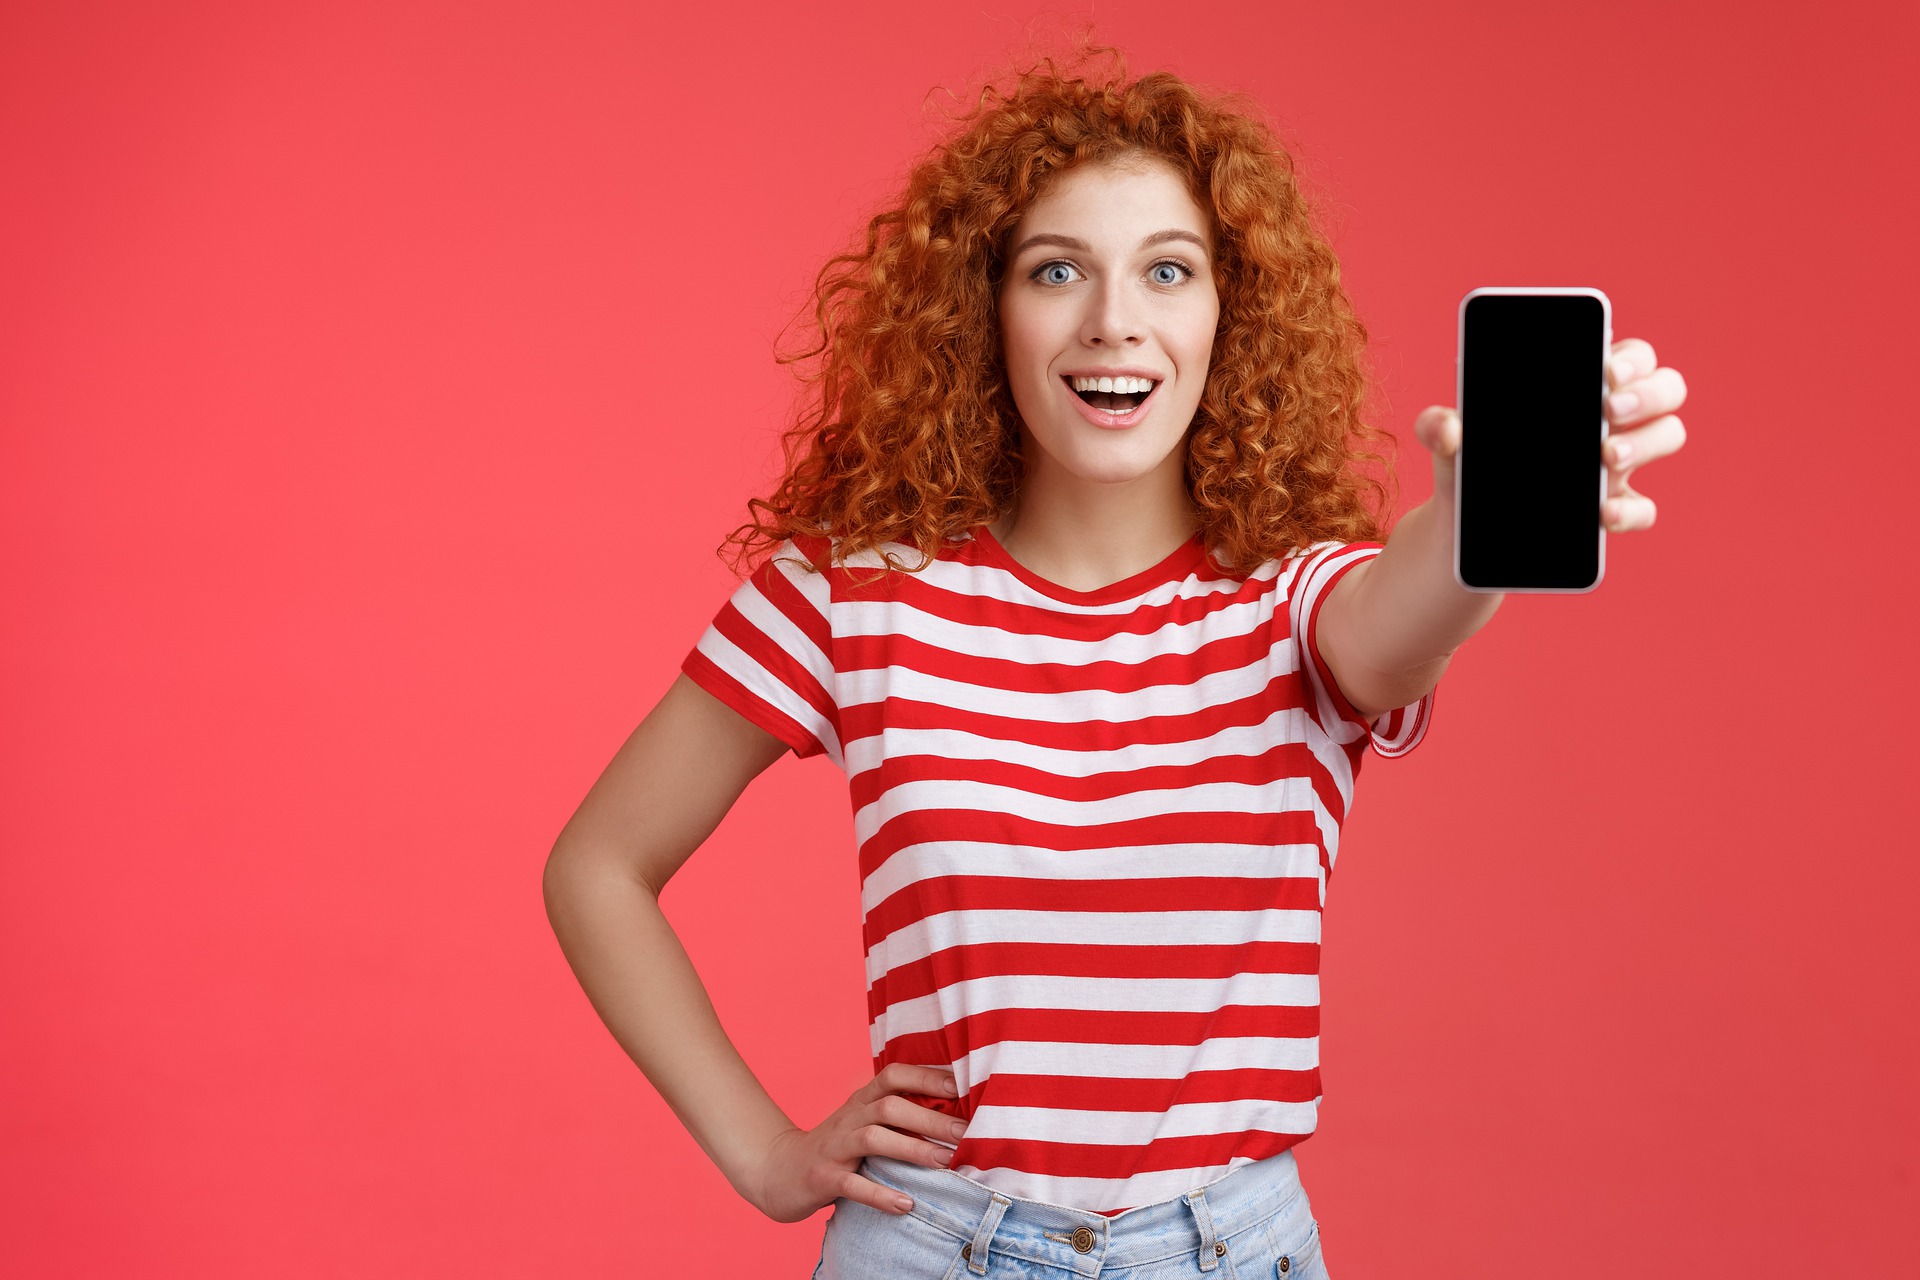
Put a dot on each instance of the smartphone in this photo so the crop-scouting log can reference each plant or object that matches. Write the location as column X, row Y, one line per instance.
column 1530, row 479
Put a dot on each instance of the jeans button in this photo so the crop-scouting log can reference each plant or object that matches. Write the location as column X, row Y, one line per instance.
column 1083, row 1239
column 1285, row 1265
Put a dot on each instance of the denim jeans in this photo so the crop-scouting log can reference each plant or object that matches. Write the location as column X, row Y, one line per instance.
column 1253, row 1223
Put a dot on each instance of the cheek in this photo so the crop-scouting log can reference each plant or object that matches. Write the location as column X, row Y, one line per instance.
column 1027, row 357
column 1198, row 341
column 1016, row 322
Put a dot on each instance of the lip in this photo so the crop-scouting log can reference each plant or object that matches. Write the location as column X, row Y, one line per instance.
column 1100, row 417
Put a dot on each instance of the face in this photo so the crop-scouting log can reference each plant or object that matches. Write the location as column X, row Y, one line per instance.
column 1110, row 272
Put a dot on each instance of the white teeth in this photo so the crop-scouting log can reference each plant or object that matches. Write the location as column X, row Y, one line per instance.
column 1124, row 386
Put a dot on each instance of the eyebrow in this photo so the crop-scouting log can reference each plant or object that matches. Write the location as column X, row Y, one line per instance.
column 1068, row 242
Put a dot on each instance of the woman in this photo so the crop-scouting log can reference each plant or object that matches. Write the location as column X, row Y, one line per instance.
column 1072, row 576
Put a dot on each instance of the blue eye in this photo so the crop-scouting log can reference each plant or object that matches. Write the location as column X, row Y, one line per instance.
column 1044, row 272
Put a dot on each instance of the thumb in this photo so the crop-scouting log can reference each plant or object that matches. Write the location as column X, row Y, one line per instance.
column 1438, row 428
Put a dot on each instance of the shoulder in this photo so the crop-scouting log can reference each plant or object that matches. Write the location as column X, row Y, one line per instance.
column 829, row 554
column 1285, row 574
column 1330, row 561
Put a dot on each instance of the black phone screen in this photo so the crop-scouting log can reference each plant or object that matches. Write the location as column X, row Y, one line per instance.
column 1530, row 478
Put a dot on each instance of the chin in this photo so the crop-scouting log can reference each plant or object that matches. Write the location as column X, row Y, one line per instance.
column 1119, row 467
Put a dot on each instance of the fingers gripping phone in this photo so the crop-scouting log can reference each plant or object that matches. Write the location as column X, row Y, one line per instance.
column 1529, row 479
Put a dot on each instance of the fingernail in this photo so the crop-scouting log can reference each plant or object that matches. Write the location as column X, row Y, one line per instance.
column 951, row 1086
column 959, row 1128
column 1622, row 369
column 1622, row 452
column 1623, row 402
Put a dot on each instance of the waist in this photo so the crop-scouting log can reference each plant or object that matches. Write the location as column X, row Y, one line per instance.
column 1083, row 1241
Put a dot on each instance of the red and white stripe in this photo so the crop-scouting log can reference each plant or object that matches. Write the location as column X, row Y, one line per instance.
column 1095, row 831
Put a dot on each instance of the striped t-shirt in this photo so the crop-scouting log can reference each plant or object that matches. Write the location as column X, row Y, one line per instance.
column 1095, row 830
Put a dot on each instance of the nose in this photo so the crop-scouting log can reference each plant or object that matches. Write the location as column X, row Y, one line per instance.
column 1114, row 317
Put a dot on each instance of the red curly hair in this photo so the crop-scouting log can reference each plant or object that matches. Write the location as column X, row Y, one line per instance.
column 909, row 432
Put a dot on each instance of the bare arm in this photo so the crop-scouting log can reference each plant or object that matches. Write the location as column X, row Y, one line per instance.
column 1390, row 627
column 663, row 794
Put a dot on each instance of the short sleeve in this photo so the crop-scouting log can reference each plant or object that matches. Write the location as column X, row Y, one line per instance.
column 1393, row 733
column 768, row 652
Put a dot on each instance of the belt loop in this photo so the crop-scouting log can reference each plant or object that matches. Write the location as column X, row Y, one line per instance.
column 977, row 1251
column 1197, row 1201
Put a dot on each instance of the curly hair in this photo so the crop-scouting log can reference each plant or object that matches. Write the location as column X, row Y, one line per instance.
column 908, row 432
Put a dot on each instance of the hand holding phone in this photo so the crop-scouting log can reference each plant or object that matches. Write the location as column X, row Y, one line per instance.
column 1642, row 395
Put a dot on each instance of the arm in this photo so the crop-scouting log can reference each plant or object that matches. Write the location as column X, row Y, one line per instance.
column 1389, row 627
column 663, row 794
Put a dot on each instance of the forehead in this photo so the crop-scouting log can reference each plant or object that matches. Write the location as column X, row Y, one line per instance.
column 1121, row 196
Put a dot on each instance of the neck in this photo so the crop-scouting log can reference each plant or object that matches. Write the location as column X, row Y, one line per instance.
column 1085, row 535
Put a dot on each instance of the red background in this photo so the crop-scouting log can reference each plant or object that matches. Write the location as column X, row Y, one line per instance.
column 378, row 379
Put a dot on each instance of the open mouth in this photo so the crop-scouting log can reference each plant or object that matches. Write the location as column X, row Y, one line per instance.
column 1121, row 402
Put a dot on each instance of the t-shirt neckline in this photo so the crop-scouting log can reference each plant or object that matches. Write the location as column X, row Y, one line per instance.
column 1173, row 568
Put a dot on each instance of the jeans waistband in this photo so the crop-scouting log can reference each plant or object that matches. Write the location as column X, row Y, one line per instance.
column 1081, row 1241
